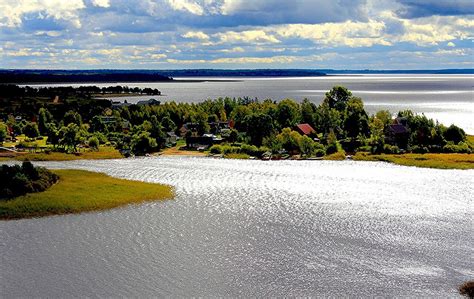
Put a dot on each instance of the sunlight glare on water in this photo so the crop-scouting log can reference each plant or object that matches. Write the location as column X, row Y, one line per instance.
column 253, row 229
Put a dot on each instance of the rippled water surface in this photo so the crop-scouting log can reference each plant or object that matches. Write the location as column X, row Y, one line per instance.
column 254, row 228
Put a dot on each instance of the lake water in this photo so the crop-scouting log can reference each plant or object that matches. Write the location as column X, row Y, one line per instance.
column 447, row 98
column 254, row 229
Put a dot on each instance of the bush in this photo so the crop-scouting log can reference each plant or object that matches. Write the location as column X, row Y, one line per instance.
column 216, row 149
column 467, row 289
column 331, row 149
column 461, row 148
column 364, row 149
column 319, row 153
column 250, row 150
column 16, row 180
column 391, row 149
column 228, row 149
column 93, row 142
column 419, row 149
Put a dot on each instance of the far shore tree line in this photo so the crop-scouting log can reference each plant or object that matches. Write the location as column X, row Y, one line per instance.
column 341, row 124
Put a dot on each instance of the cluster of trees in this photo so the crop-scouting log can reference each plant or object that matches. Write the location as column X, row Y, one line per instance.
column 340, row 121
column 18, row 180
column 11, row 90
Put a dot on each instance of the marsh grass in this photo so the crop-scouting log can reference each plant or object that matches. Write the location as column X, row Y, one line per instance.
column 82, row 191
column 440, row 161
column 103, row 153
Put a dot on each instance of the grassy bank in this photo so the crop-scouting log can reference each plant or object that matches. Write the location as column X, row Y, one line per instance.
column 81, row 191
column 103, row 153
column 441, row 161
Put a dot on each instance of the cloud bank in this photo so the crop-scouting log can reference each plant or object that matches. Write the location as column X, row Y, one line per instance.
column 236, row 34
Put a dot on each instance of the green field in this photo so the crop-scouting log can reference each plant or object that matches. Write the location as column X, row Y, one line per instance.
column 82, row 191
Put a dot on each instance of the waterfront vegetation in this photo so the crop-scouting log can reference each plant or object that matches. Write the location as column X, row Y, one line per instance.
column 18, row 180
column 441, row 161
column 65, row 123
column 82, row 191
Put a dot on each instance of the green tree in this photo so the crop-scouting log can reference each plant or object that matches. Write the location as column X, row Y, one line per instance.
column 454, row 134
column 97, row 125
column 258, row 126
column 308, row 112
column 52, row 133
column 385, row 116
column 200, row 118
column 287, row 114
column 72, row 117
column 327, row 119
column 69, row 136
column 238, row 115
column 31, row 130
column 307, row 146
column 377, row 138
column 338, row 97
column 3, row 132
column 44, row 118
column 93, row 143
column 142, row 143
column 289, row 140
column 356, row 121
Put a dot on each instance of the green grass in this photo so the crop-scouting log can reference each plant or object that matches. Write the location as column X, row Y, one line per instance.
column 238, row 156
column 440, row 161
column 82, row 191
column 336, row 156
column 103, row 153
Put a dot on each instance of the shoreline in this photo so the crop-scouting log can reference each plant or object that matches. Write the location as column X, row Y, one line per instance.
column 434, row 161
column 79, row 191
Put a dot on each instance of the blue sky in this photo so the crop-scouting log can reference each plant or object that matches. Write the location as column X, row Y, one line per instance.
column 170, row 34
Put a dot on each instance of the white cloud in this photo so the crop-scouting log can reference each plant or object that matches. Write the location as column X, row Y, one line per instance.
column 249, row 36
column 352, row 34
column 12, row 11
column 185, row 5
column 451, row 44
column 196, row 35
column 101, row 3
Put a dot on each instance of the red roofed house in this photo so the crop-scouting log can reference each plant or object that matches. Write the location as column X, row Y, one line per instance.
column 305, row 129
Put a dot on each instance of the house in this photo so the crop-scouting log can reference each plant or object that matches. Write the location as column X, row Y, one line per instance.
column 108, row 119
column 189, row 127
column 171, row 138
column 203, row 141
column 117, row 104
column 218, row 126
column 398, row 134
column 305, row 129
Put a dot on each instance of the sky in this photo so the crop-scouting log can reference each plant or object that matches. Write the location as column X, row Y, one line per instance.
column 177, row 34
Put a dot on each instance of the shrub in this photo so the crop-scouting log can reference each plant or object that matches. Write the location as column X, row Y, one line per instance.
column 419, row 149
column 216, row 149
column 319, row 153
column 364, row 149
column 228, row 149
column 467, row 289
column 331, row 149
column 391, row 149
column 16, row 180
column 250, row 150
column 93, row 142
column 461, row 148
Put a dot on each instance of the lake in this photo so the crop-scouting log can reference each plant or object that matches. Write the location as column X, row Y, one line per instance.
column 447, row 98
column 242, row 228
